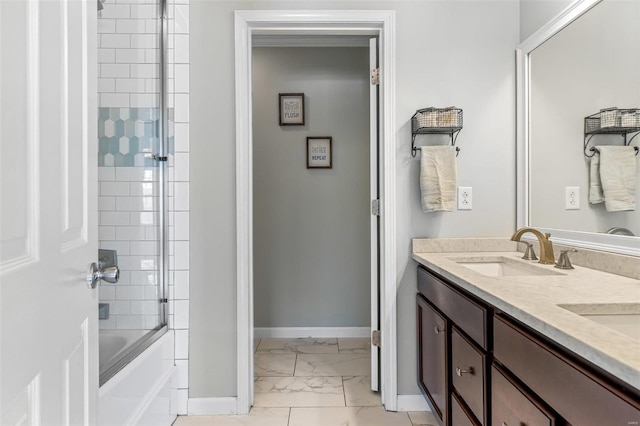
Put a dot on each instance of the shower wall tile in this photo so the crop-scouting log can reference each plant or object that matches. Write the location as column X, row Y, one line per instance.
column 181, row 314
column 182, row 344
column 115, row 10
column 106, row 26
column 181, row 17
column 122, row 247
column 106, row 84
column 115, row 41
column 106, row 203
column 106, row 233
column 144, row 11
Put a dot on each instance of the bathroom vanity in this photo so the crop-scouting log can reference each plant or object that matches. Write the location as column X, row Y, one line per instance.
column 504, row 341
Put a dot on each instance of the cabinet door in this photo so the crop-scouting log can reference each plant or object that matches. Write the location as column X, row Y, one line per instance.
column 432, row 357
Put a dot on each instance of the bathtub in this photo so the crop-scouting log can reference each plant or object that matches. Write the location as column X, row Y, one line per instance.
column 138, row 393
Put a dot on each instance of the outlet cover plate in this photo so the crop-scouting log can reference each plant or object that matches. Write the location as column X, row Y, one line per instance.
column 465, row 198
column 572, row 198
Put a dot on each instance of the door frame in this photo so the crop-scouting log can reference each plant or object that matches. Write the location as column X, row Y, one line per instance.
column 316, row 22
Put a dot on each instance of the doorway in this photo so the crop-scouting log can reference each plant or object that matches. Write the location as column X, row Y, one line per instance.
column 370, row 23
column 311, row 234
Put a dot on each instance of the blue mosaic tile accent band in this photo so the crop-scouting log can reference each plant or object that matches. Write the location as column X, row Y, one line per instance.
column 128, row 136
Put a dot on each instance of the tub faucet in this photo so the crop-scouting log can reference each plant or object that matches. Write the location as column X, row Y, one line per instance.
column 546, row 247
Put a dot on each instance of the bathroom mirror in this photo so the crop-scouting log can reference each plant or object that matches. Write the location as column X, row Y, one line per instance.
column 585, row 60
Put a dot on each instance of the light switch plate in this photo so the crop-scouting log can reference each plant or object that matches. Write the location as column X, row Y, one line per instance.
column 572, row 198
column 465, row 198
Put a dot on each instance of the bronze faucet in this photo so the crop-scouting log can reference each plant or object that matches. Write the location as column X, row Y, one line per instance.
column 546, row 247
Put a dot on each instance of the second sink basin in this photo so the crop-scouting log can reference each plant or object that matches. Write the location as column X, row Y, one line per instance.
column 501, row 266
column 621, row 317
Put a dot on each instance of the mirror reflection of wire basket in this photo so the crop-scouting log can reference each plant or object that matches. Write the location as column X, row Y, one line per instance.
column 612, row 120
column 434, row 120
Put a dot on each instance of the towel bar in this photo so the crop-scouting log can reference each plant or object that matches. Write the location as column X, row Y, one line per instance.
column 415, row 149
column 594, row 149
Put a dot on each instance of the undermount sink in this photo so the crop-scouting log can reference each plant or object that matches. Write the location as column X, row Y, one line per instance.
column 492, row 266
column 621, row 317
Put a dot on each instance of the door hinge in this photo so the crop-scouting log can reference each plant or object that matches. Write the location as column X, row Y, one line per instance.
column 375, row 338
column 375, row 207
column 375, row 76
column 164, row 301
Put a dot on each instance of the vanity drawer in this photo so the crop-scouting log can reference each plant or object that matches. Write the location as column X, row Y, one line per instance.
column 512, row 405
column 468, row 370
column 460, row 415
column 579, row 395
column 469, row 315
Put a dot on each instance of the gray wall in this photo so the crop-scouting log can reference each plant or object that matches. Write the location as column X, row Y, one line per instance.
column 447, row 53
column 311, row 226
column 536, row 13
column 567, row 84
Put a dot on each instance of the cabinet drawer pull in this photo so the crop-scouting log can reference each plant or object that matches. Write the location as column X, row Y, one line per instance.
column 438, row 329
column 460, row 371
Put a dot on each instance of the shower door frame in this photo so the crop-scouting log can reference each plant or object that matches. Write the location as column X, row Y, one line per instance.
column 317, row 22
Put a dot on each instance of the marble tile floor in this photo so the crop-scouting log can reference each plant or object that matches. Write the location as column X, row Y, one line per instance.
column 313, row 382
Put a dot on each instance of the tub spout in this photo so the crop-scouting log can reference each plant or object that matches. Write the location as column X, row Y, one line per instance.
column 546, row 247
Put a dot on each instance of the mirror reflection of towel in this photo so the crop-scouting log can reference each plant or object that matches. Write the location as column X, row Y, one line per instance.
column 595, row 186
column 616, row 172
column 438, row 178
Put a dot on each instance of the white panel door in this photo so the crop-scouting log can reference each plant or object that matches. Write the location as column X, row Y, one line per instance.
column 374, row 221
column 48, row 212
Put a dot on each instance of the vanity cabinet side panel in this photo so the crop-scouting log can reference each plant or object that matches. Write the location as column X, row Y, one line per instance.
column 573, row 391
column 469, row 315
column 432, row 358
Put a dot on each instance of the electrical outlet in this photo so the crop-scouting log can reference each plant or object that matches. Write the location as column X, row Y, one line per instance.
column 572, row 198
column 465, row 196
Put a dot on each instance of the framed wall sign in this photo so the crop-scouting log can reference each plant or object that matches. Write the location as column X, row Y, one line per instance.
column 319, row 152
column 291, row 109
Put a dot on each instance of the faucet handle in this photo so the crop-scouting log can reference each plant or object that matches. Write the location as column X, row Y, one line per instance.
column 529, row 254
column 563, row 260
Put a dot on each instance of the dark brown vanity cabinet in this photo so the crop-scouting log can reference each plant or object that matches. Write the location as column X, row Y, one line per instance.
column 478, row 366
column 452, row 357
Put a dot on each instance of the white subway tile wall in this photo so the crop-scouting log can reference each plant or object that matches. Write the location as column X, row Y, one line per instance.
column 127, row 217
column 128, row 43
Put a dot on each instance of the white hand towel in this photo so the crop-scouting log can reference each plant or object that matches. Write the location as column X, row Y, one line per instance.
column 618, row 176
column 438, row 178
column 595, row 186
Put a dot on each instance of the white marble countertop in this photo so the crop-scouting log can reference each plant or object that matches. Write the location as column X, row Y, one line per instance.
column 534, row 300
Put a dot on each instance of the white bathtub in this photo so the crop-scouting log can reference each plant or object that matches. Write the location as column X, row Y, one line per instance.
column 140, row 393
column 114, row 342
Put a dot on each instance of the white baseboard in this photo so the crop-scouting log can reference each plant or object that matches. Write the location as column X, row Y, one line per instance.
column 212, row 406
column 317, row 332
column 412, row 403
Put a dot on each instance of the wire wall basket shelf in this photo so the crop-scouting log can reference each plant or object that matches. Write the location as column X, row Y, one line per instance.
column 443, row 121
